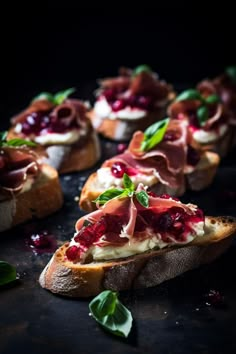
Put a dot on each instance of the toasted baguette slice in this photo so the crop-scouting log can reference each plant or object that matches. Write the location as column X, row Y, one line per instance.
column 70, row 158
column 140, row 271
column 199, row 179
column 43, row 198
column 123, row 129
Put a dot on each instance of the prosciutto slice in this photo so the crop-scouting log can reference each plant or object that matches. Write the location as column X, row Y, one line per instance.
column 129, row 206
column 70, row 114
column 187, row 110
column 145, row 83
column 166, row 160
column 16, row 165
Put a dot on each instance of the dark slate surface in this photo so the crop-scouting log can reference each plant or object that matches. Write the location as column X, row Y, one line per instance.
column 175, row 317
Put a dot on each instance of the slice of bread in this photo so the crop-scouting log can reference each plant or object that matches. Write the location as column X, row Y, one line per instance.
column 198, row 179
column 70, row 158
column 42, row 199
column 123, row 129
column 143, row 270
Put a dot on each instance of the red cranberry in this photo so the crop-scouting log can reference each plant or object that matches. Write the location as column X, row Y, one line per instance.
column 152, row 194
column 215, row 298
column 121, row 148
column 118, row 105
column 132, row 101
column 193, row 156
column 115, row 223
column 140, row 225
column 57, row 127
column 193, row 120
column 110, row 95
column 167, row 196
column 72, row 253
column 39, row 240
column 118, row 169
column 86, row 236
column 100, row 227
column 177, row 213
column 131, row 171
column 144, row 102
column 171, row 136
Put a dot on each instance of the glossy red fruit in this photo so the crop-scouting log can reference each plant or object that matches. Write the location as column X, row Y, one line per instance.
column 118, row 169
column 39, row 240
column 118, row 105
column 72, row 253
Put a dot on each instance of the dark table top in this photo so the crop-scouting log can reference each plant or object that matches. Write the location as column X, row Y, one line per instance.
column 174, row 317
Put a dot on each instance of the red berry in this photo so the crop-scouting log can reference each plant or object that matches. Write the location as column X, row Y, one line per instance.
column 39, row 240
column 72, row 253
column 118, row 105
column 118, row 169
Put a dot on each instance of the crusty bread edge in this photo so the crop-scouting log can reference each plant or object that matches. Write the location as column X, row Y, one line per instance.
column 139, row 271
column 200, row 178
column 44, row 198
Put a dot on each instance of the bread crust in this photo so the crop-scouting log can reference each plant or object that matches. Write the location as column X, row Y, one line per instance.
column 200, row 178
column 123, row 129
column 70, row 158
column 140, row 271
column 42, row 199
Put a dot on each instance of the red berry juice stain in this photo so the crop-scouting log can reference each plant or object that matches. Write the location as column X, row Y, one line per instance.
column 214, row 298
column 41, row 242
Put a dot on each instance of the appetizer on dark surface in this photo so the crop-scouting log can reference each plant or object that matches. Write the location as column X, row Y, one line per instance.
column 161, row 158
column 28, row 188
column 135, row 239
column 61, row 126
column 207, row 117
column 133, row 100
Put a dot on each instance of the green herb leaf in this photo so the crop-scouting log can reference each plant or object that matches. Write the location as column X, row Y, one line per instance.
column 111, row 314
column 231, row 72
column 154, row 134
column 7, row 273
column 212, row 99
column 202, row 114
column 143, row 198
column 3, row 137
column 127, row 182
column 19, row 142
column 60, row 97
column 190, row 94
column 44, row 96
column 140, row 69
column 108, row 194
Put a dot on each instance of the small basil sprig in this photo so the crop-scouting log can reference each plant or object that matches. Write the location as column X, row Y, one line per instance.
column 56, row 99
column 231, row 72
column 127, row 191
column 17, row 142
column 7, row 273
column 111, row 314
column 154, row 134
column 140, row 69
column 202, row 111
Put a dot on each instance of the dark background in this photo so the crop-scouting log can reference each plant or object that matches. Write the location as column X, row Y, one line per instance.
column 61, row 45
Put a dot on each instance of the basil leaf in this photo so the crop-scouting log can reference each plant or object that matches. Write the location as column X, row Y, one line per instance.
column 140, row 69
column 212, row 99
column 202, row 115
column 190, row 94
column 60, row 97
column 143, row 198
column 3, row 137
column 107, row 195
column 154, row 134
column 111, row 314
column 44, row 96
column 231, row 72
column 19, row 142
column 7, row 273
column 127, row 182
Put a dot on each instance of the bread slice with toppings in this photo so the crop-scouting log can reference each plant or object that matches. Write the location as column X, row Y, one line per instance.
column 172, row 166
column 135, row 240
column 131, row 101
column 28, row 189
column 63, row 130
